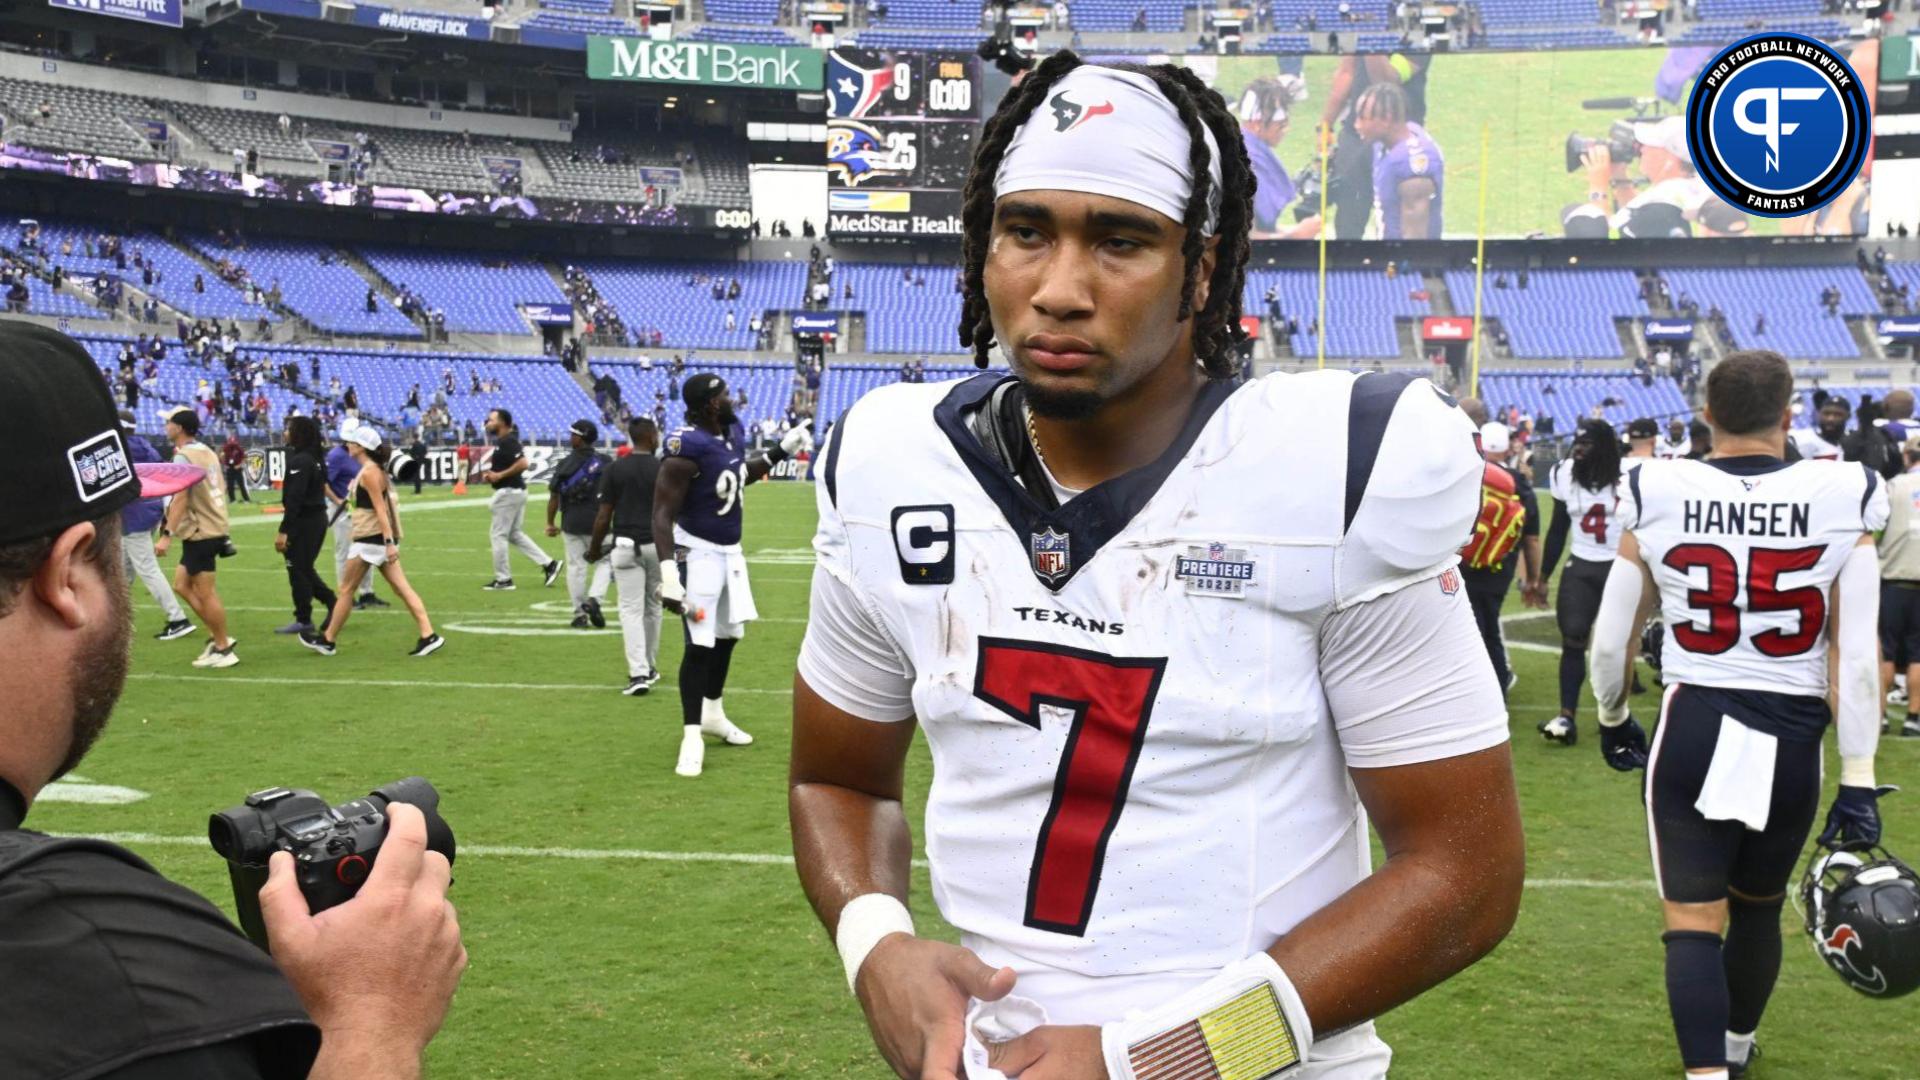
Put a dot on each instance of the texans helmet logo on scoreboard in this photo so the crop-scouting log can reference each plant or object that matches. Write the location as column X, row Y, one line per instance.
column 852, row 90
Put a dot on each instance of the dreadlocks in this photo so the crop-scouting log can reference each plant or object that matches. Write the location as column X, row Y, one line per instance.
column 1216, row 328
column 1382, row 101
column 1599, row 467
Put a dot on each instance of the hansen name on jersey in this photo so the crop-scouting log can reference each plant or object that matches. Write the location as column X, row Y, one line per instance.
column 1138, row 773
column 1745, row 552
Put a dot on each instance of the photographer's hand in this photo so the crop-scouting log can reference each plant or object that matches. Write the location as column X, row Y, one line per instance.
column 377, row 972
column 1598, row 159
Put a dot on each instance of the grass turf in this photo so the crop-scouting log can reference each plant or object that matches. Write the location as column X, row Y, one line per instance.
column 618, row 965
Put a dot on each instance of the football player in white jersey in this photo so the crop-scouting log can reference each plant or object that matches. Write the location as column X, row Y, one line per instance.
column 1165, row 688
column 1759, row 566
column 1821, row 442
column 1676, row 444
column 1586, row 495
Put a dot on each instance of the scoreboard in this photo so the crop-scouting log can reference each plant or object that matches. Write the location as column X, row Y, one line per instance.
column 901, row 129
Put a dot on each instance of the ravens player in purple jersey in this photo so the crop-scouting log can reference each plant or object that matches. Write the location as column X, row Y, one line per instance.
column 696, row 527
column 1409, row 173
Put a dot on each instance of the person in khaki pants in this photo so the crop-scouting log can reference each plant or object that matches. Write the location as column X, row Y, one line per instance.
column 626, row 512
column 506, row 472
column 1900, row 582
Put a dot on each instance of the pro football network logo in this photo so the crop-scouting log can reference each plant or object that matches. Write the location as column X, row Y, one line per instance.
column 1069, row 114
column 1778, row 125
column 1052, row 555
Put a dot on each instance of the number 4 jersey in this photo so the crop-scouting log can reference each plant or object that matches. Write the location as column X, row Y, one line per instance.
column 1596, row 535
column 1142, row 705
column 1745, row 551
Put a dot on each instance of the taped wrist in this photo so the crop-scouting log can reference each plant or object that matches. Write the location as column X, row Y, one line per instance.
column 863, row 922
column 1245, row 1021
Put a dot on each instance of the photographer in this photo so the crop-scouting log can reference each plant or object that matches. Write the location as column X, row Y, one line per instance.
column 1675, row 202
column 113, row 971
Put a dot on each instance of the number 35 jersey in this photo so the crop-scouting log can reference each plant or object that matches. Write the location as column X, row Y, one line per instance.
column 1135, row 765
column 1745, row 551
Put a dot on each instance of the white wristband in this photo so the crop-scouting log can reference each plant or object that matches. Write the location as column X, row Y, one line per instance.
column 863, row 922
column 1856, row 772
column 1249, row 1013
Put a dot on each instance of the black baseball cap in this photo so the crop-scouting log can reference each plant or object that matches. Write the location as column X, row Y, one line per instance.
column 70, row 462
column 701, row 389
column 586, row 429
column 1642, row 428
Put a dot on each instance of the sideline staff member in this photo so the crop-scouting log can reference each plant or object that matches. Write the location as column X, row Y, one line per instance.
column 112, row 971
column 1900, row 582
column 506, row 471
column 626, row 507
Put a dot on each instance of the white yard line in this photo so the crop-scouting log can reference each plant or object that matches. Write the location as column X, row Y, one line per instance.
column 608, row 687
column 745, row 858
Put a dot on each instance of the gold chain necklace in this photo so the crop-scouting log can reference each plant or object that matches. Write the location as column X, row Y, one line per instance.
column 1033, row 439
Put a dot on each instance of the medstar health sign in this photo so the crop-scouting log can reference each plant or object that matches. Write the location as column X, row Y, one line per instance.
column 705, row 63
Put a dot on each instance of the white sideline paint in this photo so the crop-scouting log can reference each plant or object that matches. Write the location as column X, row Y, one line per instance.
column 599, row 688
column 742, row 858
column 74, row 788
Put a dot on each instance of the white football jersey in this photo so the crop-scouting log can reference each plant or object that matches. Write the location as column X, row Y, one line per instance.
column 1668, row 449
column 1136, row 771
column 1813, row 446
column 1595, row 535
column 1745, row 552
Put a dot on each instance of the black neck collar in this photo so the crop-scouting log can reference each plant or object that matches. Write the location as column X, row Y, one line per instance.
column 1749, row 464
column 13, row 807
column 1062, row 539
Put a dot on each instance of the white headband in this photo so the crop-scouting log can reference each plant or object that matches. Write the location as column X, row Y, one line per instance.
column 1104, row 131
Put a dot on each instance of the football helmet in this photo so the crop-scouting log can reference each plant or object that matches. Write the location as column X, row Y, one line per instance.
column 1652, row 637
column 1862, row 911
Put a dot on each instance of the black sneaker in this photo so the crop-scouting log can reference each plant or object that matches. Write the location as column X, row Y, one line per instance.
column 637, row 686
column 1910, row 729
column 1735, row 1071
column 499, row 585
column 653, row 677
column 227, row 550
column 581, row 622
column 428, row 645
column 318, row 644
column 595, row 615
column 174, row 631
column 367, row 600
column 1560, row 729
column 552, row 572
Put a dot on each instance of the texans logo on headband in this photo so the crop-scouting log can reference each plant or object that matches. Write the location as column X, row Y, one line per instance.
column 1069, row 114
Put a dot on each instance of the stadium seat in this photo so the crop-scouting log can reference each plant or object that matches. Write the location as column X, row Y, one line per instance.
column 1789, row 296
column 1569, row 397
column 1362, row 308
column 477, row 297
column 1561, row 314
column 331, row 296
column 902, row 317
column 655, row 295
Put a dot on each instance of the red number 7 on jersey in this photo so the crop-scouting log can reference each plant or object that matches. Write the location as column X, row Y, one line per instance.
column 1110, row 700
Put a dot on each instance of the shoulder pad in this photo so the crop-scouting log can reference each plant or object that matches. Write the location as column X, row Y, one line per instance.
column 1412, row 485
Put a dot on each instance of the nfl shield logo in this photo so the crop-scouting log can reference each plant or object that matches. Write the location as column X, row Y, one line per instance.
column 1051, row 555
column 89, row 472
column 1216, row 551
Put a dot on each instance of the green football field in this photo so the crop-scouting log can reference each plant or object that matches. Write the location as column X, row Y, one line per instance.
column 625, row 922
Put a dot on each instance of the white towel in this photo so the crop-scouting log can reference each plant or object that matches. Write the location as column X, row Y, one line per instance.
column 1739, row 784
column 996, row 1022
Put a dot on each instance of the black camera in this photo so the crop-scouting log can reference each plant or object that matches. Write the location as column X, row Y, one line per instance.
column 333, row 847
column 1306, row 189
column 1620, row 141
